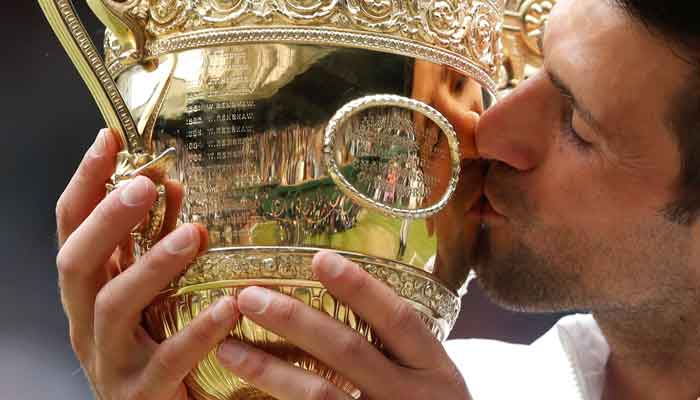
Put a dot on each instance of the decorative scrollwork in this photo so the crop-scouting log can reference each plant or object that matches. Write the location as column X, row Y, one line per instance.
column 382, row 15
column 305, row 11
column 168, row 16
column 485, row 36
column 251, row 264
column 444, row 21
column 469, row 29
column 534, row 18
column 222, row 11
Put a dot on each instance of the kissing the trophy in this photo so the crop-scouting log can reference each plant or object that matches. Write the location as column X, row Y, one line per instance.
column 285, row 127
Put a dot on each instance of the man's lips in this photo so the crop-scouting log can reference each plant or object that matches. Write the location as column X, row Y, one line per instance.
column 483, row 209
column 477, row 205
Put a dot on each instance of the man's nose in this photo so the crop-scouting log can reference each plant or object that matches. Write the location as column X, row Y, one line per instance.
column 515, row 130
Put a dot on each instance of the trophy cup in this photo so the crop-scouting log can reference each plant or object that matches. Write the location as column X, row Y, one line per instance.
column 293, row 126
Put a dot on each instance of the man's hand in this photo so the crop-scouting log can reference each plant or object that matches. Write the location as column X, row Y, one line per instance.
column 420, row 369
column 104, row 305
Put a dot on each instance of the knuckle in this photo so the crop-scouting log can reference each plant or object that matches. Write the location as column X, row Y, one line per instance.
column 138, row 392
column 63, row 212
column 107, row 209
column 350, row 344
column 66, row 265
column 454, row 379
column 403, row 318
column 79, row 345
column 89, row 166
column 163, row 366
column 287, row 309
column 358, row 279
column 323, row 390
column 105, row 306
column 255, row 368
column 203, row 332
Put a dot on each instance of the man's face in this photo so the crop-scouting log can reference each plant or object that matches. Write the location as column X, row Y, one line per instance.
column 585, row 164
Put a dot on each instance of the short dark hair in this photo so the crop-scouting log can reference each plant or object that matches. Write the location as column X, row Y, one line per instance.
column 677, row 22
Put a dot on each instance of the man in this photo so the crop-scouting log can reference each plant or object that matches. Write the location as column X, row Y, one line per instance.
column 592, row 205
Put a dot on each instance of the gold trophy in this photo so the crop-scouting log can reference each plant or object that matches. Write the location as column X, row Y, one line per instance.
column 293, row 126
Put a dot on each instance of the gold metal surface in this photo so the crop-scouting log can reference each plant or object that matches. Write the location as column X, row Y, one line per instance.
column 289, row 135
column 464, row 34
column 76, row 41
column 287, row 270
column 523, row 31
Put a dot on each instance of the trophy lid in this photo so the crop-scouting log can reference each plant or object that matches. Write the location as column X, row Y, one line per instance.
column 462, row 34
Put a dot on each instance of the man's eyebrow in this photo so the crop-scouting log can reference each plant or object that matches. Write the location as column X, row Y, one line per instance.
column 583, row 111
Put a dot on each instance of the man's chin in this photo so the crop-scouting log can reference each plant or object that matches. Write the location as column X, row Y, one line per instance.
column 514, row 277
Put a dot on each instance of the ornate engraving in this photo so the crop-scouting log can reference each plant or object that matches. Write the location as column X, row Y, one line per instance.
column 248, row 264
column 377, row 42
column 485, row 38
column 135, row 15
column 167, row 15
column 211, row 381
column 382, row 15
column 118, row 57
column 467, row 30
column 533, row 19
column 222, row 11
column 104, row 82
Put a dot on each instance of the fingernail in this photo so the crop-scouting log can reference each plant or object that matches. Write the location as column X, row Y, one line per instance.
column 232, row 353
column 331, row 264
column 223, row 311
column 180, row 241
column 100, row 146
column 136, row 192
column 254, row 300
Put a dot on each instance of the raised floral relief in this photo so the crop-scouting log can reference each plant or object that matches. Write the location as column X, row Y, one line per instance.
column 306, row 11
column 222, row 11
column 485, row 36
column 410, row 284
column 470, row 29
column 168, row 16
column 534, row 19
column 382, row 15
column 444, row 19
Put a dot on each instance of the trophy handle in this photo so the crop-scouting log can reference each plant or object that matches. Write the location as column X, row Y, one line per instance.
column 75, row 40
column 385, row 100
column 137, row 157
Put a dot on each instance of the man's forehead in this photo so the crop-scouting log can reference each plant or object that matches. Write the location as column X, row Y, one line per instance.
column 608, row 60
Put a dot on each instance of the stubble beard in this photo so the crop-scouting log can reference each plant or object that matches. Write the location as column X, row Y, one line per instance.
column 517, row 278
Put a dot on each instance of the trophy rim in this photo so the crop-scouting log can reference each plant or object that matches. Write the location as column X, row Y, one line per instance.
column 222, row 37
column 229, row 267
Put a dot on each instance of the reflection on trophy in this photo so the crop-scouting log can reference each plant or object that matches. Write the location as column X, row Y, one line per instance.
column 293, row 126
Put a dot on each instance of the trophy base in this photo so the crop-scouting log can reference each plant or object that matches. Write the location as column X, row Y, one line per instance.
column 222, row 272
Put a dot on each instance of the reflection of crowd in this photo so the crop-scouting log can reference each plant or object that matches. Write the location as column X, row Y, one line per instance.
column 459, row 98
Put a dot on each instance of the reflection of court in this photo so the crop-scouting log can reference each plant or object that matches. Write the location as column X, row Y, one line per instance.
column 386, row 157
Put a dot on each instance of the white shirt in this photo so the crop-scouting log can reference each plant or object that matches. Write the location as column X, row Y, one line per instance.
column 566, row 363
